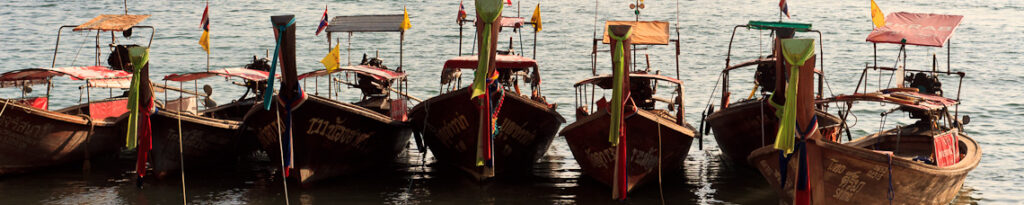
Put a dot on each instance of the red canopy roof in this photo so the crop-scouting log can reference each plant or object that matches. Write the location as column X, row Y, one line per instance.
column 504, row 61
column 378, row 73
column 244, row 73
column 916, row 28
column 604, row 81
column 98, row 76
column 514, row 22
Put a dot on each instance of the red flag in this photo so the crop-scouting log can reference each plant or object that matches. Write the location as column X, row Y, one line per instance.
column 462, row 14
column 205, row 22
column 323, row 22
column 784, row 7
column 509, row 2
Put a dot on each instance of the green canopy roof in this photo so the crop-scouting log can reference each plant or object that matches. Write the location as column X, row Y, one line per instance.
column 771, row 25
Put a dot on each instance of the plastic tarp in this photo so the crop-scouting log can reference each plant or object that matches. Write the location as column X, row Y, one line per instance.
column 644, row 32
column 366, row 23
column 917, row 28
column 503, row 61
column 914, row 100
column 111, row 22
column 605, row 81
column 801, row 27
column 98, row 76
column 244, row 73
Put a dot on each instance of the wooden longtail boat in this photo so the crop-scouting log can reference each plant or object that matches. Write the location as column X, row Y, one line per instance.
column 904, row 162
column 651, row 141
column 211, row 137
column 742, row 126
column 331, row 138
column 450, row 123
column 32, row 136
column 922, row 163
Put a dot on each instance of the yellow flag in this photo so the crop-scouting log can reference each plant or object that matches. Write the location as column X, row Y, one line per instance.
column 333, row 59
column 876, row 15
column 405, row 22
column 205, row 41
column 535, row 19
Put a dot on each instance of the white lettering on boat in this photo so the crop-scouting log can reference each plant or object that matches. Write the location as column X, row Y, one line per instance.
column 337, row 131
column 450, row 129
column 849, row 185
column 19, row 134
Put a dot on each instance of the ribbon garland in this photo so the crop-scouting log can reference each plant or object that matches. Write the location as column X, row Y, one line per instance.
column 616, row 133
column 269, row 93
column 488, row 11
column 139, row 132
column 617, row 77
column 796, row 53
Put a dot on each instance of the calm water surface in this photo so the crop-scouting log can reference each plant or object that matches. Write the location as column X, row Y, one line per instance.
column 988, row 46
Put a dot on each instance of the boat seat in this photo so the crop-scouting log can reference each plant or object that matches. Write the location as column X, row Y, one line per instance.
column 108, row 111
column 36, row 102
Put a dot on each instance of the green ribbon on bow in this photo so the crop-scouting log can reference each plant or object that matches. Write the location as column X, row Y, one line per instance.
column 796, row 52
column 139, row 57
column 618, row 74
column 488, row 12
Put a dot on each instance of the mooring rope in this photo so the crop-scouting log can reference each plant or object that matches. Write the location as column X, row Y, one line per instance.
column 181, row 153
column 661, row 189
column 280, row 148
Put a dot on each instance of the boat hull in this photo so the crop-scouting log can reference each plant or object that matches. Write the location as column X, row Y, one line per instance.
column 449, row 125
column 32, row 138
column 331, row 138
column 207, row 142
column 588, row 141
column 852, row 174
column 745, row 126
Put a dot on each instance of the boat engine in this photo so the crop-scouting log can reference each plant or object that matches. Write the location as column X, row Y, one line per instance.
column 927, row 84
column 262, row 64
column 765, row 76
column 369, row 85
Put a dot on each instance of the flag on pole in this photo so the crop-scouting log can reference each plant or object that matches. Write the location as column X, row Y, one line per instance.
column 323, row 22
column 405, row 22
column 876, row 15
column 535, row 19
column 205, row 24
column 462, row 14
column 784, row 7
column 333, row 59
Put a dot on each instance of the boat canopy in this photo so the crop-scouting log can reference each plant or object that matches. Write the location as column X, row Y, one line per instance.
column 378, row 73
column 906, row 97
column 772, row 25
column 916, row 29
column 366, row 23
column 644, row 32
column 97, row 76
column 503, row 62
column 244, row 73
column 111, row 22
column 514, row 22
column 605, row 81
column 506, row 21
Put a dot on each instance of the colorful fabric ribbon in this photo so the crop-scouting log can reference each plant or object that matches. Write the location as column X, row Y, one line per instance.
column 269, row 93
column 139, row 131
column 487, row 12
column 796, row 52
column 616, row 131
